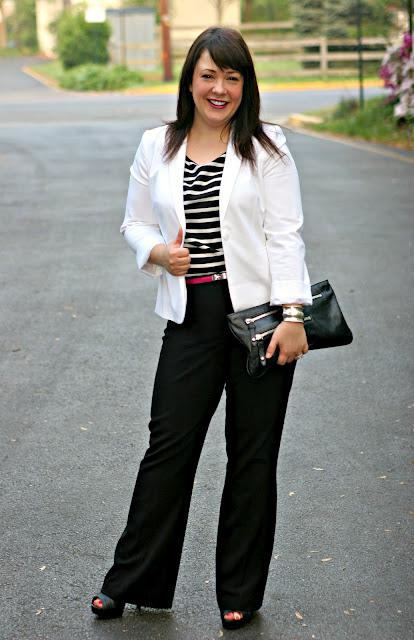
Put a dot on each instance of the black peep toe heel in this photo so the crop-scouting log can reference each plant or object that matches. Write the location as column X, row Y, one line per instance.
column 235, row 624
column 109, row 609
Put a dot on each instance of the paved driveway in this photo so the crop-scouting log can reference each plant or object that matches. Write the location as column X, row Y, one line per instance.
column 79, row 344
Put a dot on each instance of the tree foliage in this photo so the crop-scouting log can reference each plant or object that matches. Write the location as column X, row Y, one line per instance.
column 337, row 18
column 265, row 10
column 22, row 25
column 308, row 16
column 80, row 42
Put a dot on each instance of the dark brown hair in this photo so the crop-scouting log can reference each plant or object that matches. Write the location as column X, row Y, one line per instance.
column 229, row 51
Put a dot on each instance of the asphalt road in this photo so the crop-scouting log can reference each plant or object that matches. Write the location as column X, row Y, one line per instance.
column 79, row 345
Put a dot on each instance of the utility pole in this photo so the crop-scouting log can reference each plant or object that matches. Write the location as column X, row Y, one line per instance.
column 410, row 17
column 360, row 59
column 165, row 40
column 248, row 11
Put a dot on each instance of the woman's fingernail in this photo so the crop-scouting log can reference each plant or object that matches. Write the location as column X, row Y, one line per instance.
column 268, row 355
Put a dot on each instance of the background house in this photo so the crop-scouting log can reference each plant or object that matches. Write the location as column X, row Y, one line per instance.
column 187, row 17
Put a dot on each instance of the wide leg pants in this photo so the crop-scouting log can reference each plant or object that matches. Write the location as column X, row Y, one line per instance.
column 198, row 359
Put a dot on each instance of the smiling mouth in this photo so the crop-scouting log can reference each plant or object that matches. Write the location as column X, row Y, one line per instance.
column 217, row 104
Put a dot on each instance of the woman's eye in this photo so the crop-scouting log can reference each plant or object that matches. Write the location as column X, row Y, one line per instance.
column 206, row 75
column 233, row 78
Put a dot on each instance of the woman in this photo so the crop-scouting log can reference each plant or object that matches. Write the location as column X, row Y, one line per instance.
column 213, row 211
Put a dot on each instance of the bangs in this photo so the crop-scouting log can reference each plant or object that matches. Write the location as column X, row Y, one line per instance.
column 226, row 48
column 228, row 57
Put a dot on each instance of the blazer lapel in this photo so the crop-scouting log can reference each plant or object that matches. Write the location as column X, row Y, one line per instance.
column 176, row 173
column 231, row 169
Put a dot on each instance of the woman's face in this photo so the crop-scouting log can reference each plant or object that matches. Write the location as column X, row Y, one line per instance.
column 217, row 93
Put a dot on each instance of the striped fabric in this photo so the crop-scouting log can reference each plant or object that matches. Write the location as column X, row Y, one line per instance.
column 201, row 206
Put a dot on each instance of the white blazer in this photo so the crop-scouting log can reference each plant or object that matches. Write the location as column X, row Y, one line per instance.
column 260, row 216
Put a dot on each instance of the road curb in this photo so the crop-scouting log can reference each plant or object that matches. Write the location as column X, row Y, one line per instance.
column 298, row 119
column 48, row 82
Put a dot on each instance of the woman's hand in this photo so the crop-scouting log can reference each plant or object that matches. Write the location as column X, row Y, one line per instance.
column 172, row 256
column 290, row 338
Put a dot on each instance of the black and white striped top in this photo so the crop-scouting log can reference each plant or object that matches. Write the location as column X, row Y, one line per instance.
column 201, row 206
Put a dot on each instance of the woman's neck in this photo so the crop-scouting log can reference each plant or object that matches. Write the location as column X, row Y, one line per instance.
column 206, row 135
column 205, row 144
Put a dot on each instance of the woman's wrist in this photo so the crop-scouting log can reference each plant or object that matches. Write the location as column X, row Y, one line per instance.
column 157, row 255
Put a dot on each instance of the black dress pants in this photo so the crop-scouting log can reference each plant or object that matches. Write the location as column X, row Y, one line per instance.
column 198, row 359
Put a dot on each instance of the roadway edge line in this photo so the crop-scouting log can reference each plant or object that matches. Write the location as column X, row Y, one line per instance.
column 362, row 146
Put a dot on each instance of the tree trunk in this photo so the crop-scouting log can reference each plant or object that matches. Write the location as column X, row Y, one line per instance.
column 219, row 11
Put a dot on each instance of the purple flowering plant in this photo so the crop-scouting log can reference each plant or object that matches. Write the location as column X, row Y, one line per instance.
column 397, row 71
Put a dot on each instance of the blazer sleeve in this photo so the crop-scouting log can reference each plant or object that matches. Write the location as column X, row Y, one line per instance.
column 283, row 222
column 140, row 229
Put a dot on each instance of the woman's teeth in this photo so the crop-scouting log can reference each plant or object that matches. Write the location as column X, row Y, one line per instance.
column 218, row 103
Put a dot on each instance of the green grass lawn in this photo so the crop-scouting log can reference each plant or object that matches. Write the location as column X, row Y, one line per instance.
column 51, row 69
column 375, row 123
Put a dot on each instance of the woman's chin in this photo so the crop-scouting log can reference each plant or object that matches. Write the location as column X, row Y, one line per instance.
column 216, row 119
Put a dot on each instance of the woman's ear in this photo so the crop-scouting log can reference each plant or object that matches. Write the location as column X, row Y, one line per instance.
column 190, row 88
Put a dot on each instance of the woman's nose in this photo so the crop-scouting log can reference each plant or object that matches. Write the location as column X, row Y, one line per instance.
column 219, row 87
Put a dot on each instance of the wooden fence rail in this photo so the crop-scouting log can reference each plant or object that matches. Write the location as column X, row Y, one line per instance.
column 268, row 49
column 274, row 50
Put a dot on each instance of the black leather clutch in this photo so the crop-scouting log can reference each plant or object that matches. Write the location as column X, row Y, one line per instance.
column 324, row 324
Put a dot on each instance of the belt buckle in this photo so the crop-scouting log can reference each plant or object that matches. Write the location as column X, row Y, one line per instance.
column 220, row 276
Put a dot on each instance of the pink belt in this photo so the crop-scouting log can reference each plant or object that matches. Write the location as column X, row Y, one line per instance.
column 212, row 278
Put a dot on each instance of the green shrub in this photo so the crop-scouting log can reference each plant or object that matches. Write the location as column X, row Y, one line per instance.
column 345, row 107
column 80, row 42
column 96, row 77
column 375, row 122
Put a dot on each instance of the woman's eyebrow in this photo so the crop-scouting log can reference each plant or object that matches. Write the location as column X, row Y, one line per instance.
column 226, row 70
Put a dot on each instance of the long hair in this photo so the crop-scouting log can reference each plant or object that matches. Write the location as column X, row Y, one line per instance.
column 228, row 50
